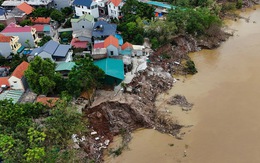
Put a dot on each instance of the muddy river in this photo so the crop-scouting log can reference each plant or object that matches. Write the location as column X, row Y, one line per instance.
column 225, row 118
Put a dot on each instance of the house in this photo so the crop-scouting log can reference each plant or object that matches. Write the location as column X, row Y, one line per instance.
column 113, row 68
column 6, row 18
column 138, row 50
column 14, row 95
column 17, row 79
column 21, row 11
column 27, row 35
column 40, row 20
column 112, row 46
column 161, row 8
column 48, row 101
column 102, row 29
column 102, row 7
column 126, row 49
column 99, row 51
column 82, row 35
column 54, row 51
column 76, row 43
column 64, row 68
column 59, row 4
column 83, row 22
column 86, row 7
column 8, row 45
column 42, row 30
column 114, row 8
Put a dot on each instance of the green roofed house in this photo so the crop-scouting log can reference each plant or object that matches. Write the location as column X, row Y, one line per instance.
column 86, row 21
column 113, row 68
column 64, row 68
column 13, row 95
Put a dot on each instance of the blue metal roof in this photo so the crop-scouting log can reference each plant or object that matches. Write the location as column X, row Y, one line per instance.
column 106, row 30
column 120, row 39
column 160, row 4
column 62, row 51
column 50, row 47
column 112, row 67
column 82, row 2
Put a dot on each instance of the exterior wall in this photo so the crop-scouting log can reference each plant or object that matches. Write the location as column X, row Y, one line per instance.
column 93, row 10
column 84, row 39
column 114, row 11
column 16, row 83
column 5, row 49
column 7, row 21
column 82, row 23
column 61, row 3
column 112, row 50
column 15, row 45
column 23, row 36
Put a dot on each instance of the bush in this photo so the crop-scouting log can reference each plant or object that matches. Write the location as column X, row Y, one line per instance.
column 190, row 67
column 26, row 22
column 2, row 26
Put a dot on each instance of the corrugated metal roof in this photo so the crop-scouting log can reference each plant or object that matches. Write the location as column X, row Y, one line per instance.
column 160, row 4
column 15, row 95
column 65, row 66
column 102, row 28
column 112, row 67
column 46, row 28
column 83, row 17
column 62, row 51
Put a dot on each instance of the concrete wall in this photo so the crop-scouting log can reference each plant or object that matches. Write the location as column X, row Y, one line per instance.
column 5, row 49
column 112, row 50
column 15, row 83
column 84, row 39
column 82, row 23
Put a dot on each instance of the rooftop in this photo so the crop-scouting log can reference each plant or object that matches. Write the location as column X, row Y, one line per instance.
column 160, row 4
column 13, row 28
column 25, row 8
column 126, row 45
column 115, row 2
column 19, row 70
column 102, row 28
column 4, row 81
column 4, row 38
column 82, row 2
column 112, row 67
column 83, row 17
column 111, row 40
column 65, row 66
column 14, row 95
column 78, row 44
column 49, row 101
column 40, row 20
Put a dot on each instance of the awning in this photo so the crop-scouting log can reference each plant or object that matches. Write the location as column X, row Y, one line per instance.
column 20, row 49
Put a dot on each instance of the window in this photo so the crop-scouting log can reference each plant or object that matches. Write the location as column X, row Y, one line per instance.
column 81, row 6
column 83, row 26
column 83, row 12
column 111, row 53
column 118, row 7
column 109, row 6
column 111, row 11
column 114, row 7
column 15, row 81
column 92, row 7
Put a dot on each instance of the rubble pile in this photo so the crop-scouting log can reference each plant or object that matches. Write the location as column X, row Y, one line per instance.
column 125, row 112
column 150, row 82
column 181, row 101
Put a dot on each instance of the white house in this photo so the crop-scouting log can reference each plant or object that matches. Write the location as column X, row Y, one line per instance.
column 86, row 7
column 17, row 79
column 112, row 46
column 114, row 8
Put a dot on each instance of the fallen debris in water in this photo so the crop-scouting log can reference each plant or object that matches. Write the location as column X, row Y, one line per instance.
column 181, row 101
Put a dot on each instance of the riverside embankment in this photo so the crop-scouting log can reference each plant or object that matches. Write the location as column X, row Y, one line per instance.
column 225, row 116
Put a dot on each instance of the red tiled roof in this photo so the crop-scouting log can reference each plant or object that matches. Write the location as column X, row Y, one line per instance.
column 25, row 8
column 49, row 101
column 98, row 45
column 12, row 27
column 4, row 38
column 111, row 40
column 19, row 71
column 38, row 27
column 126, row 45
column 78, row 44
column 116, row 2
column 41, row 20
column 4, row 81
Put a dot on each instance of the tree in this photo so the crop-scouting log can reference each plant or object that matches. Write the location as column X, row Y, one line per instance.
column 67, row 11
column 84, row 76
column 41, row 12
column 2, row 26
column 41, row 75
column 28, row 43
column 57, row 16
column 44, row 40
column 66, row 36
column 26, row 22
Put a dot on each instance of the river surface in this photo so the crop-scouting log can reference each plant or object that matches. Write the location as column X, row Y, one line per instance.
column 226, row 112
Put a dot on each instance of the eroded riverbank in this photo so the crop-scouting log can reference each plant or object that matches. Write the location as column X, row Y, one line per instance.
column 225, row 115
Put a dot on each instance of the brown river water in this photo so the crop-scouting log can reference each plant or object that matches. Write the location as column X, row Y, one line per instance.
column 225, row 118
